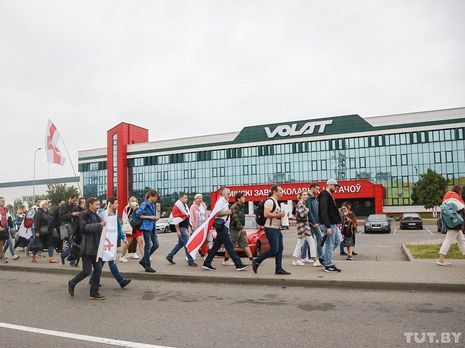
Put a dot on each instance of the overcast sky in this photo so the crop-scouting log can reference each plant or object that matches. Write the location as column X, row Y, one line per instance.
column 185, row 68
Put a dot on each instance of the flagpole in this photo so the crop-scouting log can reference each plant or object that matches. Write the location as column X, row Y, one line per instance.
column 71, row 162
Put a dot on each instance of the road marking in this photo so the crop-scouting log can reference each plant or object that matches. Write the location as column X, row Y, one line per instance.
column 79, row 337
column 426, row 228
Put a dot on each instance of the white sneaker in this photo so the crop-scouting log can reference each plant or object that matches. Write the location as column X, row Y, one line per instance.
column 123, row 259
column 228, row 263
column 297, row 263
column 317, row 263
column 444, row 264
column 306, row 260
column 135, row 256
column 16, row 257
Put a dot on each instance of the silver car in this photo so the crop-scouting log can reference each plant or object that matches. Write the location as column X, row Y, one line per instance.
column 377, row 223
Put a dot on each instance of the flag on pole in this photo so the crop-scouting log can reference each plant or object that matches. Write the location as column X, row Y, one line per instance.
column 54, row 154
column 200, row 234
column 179, row 213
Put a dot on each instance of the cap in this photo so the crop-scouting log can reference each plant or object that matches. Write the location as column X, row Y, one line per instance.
column 332, row 182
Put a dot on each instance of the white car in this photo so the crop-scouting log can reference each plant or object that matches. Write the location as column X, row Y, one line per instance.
column 163, row 226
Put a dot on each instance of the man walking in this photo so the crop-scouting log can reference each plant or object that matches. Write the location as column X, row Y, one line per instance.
column 180, row 220
column 273, row 215
column 91, row 227
column 69, row 219
column 236, row 231
column 147, row 213
column 222, row 221
column 329, row 218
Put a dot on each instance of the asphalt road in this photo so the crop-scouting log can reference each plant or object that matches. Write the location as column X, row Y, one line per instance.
column 208, row 315
column 370, row 247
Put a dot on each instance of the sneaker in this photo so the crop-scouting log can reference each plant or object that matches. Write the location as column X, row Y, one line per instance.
column 97, row 297
column 332, row 269
column 350, row 258
column 317, row 263
column 16, row 257
column 135, row 256
column 321, row 260
column 170, row 260
column 125, row 282
column 255, row 266
column 228, row 262
column 354, row 253
column 123, row 259
column 4, row 260
column 70, row 289
column 142, row 263
column 241, row 267
column 192, row 264
column 444, row 264
column 343, row 253
column 306, row 260
column 282, row 272
column 150, row 270
column 297, row 263
column 208, row 267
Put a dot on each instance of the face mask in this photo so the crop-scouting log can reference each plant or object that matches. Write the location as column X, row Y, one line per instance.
column 133, row 204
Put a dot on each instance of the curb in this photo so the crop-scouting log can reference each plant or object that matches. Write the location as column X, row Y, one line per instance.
column 282, row 282
column 407, row 252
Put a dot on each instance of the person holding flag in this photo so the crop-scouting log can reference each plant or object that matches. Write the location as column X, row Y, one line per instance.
column 179, row 219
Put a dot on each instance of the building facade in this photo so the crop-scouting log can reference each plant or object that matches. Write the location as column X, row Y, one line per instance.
column 391, row 150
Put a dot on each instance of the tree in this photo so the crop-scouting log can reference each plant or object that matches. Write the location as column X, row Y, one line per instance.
column 430, row 189
column 60, row 192
column 414, row 196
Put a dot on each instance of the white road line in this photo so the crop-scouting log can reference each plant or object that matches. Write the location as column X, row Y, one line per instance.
column 426, row 228
column 79, row 337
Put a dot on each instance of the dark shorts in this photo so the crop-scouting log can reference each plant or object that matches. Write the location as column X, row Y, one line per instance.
column 349, row 241
column 240, row 238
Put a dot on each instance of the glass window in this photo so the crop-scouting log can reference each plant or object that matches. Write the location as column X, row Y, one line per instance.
column 394, row 181
column 403, row 159
column 362, row 162
column 393, row 160
column 193, row 173
column 287, row 167
column 222, row 171
column 423, row 137
column 186, row 174
column 405, row 181
column 460, row 133
column 215, row 172
column 352, row 162
column 165, row 175
column 314, row 165
column 449, row 158
column 253, row 169
column 437, row 157
column 279, row 168
column 245, row 170
column 323, row 164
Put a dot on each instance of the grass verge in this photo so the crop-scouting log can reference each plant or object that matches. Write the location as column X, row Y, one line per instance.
column 431, row 251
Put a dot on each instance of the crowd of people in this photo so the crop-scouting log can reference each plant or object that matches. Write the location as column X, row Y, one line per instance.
column 321, row 227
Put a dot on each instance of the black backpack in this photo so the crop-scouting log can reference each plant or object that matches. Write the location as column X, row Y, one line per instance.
column 260, row 212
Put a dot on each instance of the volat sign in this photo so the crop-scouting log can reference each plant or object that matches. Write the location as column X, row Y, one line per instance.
column 286, row 130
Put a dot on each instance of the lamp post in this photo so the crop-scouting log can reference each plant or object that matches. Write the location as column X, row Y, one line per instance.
column 34, row 177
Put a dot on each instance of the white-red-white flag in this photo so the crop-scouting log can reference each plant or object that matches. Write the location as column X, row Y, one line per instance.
column 179, row 213
column 54, row 154
column 198, row 237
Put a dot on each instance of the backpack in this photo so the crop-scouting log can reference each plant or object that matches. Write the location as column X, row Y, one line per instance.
column 260, row 212
column 450, row 216
column 135, row 222
column 29, row 219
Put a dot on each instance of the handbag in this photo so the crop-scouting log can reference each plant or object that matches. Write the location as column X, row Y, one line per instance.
column 127, row 228
column 44, row 231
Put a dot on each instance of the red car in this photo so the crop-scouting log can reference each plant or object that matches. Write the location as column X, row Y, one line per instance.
column 256, row 237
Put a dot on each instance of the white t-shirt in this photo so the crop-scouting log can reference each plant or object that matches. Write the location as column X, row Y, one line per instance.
column 226, row 208
column 274, row 222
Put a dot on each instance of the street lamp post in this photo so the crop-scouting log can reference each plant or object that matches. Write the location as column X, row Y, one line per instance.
column 34, row 176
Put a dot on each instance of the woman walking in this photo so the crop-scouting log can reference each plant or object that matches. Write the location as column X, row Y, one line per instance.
column 130, row 232
column 304, row 232
column 349, row 228
column 43, row 222
column 454, row 234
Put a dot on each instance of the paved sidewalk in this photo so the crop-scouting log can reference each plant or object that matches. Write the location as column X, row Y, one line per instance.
column 422, row 275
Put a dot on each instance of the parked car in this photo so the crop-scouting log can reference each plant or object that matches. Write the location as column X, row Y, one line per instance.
column 411, row 220
column 163, row 226
column 256, row 237
column 442, row 228
column 377, row 223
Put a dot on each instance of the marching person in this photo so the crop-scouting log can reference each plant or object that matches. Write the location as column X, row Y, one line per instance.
column 3, row 229
column 198, row 215
column 349, row 228
column 236, row 230
column 112, row 210
column 69, row 218
column 329, row 218
column 130, row 232
column 273, row 215
column 147, row 213
column 312, row 204
column 454, row 234
column 90, row 227
column 221, row 225
column 304, row 232
column 179, row 218
column 10, row 242
column 43, row 223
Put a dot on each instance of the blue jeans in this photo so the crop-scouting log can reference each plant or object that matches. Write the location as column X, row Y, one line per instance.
column 9, row 244
column 151, row 244
column 275, row 237
column 114, row 271
column 222, row 237
column 332, row 242
column 182, row 242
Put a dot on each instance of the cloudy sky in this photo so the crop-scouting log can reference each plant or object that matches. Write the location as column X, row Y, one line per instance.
column 184, row 68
